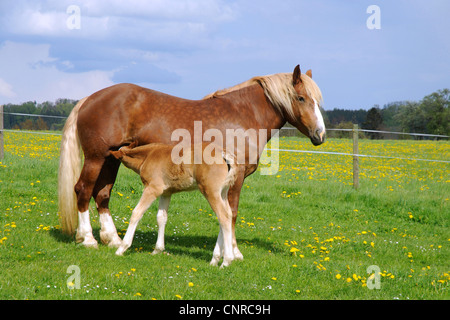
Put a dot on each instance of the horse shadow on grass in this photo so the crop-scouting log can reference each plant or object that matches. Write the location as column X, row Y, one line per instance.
column 197, row 246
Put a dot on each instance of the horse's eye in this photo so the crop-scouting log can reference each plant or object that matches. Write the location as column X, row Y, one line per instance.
column 301, row 99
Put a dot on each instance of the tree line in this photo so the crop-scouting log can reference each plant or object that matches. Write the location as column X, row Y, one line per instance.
column 430, row 115
column 59, row 108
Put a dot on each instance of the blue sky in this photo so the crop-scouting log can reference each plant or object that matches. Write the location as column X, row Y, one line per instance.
column 190, row 48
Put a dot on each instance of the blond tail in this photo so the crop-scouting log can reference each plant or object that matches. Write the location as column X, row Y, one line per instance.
column 69, row 172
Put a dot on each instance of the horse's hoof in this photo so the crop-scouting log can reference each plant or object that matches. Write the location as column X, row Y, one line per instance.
column 89, row 242
column 116, row 243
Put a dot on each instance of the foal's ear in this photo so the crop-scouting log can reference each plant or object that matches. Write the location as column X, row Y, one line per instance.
column 117, row 154
column 309, row 73
column 296, row 76
column 134, row 144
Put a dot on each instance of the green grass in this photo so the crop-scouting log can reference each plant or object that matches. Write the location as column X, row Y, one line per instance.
column 398, row 220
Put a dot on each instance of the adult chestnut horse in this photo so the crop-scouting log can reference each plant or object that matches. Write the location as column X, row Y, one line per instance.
column 117, row 115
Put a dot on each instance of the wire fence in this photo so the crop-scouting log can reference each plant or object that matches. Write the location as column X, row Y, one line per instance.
column 284, row 128
column 356, row 155
column 383, row 131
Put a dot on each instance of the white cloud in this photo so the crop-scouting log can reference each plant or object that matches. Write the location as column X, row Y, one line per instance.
column 192, row 47
column 186, row 10
column 107, row 18
column 30, row 70
column 6, row 89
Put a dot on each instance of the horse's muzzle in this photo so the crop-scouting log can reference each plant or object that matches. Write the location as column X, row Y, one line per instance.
column 318, row 137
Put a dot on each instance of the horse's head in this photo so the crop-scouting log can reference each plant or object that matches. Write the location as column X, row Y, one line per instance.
column 306, row 115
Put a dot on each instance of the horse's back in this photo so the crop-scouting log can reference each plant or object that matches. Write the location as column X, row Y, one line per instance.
column 116, row 115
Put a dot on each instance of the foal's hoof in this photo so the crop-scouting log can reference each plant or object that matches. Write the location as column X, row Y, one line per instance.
column 225, row 264
column 120, row 251
column 237, row 254
column 157, row 251
column 214, row 262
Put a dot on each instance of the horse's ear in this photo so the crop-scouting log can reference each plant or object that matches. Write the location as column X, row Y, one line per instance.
column 309, row 73
column 296, row 76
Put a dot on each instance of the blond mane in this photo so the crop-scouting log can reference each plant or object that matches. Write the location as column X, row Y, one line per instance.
column 278, row 89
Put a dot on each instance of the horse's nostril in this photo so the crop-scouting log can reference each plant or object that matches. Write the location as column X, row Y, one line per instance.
column 320, row 134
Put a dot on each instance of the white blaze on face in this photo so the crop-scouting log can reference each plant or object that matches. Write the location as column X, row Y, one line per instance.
column 320, row 125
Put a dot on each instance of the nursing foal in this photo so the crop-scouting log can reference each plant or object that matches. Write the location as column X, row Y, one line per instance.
column 162, row 176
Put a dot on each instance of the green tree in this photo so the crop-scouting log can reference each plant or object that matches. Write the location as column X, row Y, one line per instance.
column 374, row 119
column 411, row 118
column 435, row 110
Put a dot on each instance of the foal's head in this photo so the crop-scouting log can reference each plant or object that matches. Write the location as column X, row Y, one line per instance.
column 306, row 115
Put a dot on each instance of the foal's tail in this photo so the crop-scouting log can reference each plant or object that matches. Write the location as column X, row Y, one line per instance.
column 69, row 172
column 232, row 169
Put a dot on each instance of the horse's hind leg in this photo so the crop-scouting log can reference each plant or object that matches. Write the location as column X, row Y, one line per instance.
column 83, row 189
column 102, row 194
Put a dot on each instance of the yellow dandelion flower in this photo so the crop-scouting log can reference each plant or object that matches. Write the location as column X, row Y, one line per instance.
column 293, row 250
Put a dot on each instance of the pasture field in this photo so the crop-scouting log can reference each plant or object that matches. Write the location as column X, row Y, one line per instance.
column 305, row 233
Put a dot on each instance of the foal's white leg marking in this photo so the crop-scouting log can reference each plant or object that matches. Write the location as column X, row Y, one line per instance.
column 144, row 203
column 225, row 220
column 227, row 244
column 218, row 250
column 108, row 232
column 161, row 217
column 84, row 230
column 236, row 252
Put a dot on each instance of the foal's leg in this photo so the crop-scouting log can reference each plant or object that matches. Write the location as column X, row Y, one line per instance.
column 218, row 250
column 83, row 189
column 102, row 194
column 148, row 196
column 161, row 217
column 223, row 212
column 233, row 200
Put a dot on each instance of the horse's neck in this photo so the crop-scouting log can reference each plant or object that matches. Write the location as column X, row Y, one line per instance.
column 261, row 115
column 252, row 102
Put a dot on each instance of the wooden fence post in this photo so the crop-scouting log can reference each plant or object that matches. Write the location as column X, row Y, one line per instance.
column 355, row 157
column 1, row 132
